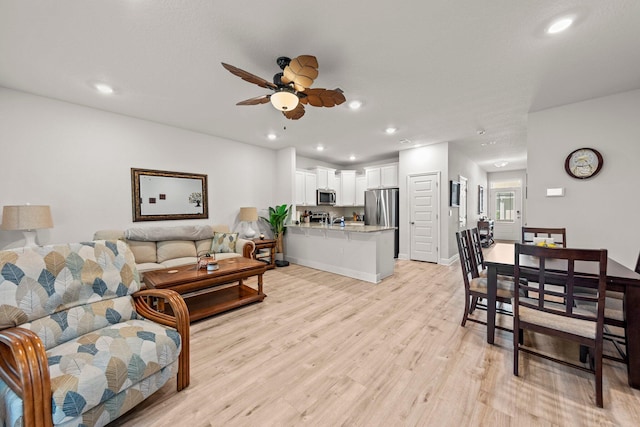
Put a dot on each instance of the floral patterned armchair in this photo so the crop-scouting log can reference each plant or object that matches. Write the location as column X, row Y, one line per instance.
column 80, row 343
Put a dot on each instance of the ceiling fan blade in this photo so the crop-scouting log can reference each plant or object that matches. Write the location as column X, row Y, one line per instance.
column 323, row 97
column 296, row 113
column 301, row 71
column 251, row 78
column 255, row 101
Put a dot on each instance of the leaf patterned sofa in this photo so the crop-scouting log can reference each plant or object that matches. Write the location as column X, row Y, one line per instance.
column 80, row 344
column 165, row 247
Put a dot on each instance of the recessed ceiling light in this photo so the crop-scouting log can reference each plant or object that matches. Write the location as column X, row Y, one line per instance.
column 484, row 144
column 103, row 88
column 272, row 136
column 352, row 157
column 559, row 25
column 492, row 143
column 320, row 148
column 391, row 130
column 354, row 105
column 405, row 141
column 501, row 164
column 481, row 132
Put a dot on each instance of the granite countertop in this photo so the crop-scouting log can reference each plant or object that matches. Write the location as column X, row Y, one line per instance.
column 336, row 227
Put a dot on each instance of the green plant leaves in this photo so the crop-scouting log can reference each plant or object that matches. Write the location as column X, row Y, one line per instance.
column 277, row 217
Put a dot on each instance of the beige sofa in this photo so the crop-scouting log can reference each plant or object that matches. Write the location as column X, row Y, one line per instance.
column 164, row 247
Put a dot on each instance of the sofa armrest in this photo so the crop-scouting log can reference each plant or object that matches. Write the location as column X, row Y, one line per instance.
column 24, row 368
column 245, row 248
column 179, row 321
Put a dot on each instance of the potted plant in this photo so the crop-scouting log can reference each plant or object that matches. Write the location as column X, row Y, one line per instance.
column 277, row 217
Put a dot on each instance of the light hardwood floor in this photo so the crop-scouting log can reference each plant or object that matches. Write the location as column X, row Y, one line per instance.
column 326, row 350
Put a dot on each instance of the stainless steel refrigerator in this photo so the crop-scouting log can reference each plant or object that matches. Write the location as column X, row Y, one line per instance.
column 381, row 207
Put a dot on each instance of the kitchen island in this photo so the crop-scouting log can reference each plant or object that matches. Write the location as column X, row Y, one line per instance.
column 363, row 252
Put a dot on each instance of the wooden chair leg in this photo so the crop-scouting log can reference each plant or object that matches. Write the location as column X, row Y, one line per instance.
column 515, row 357
column 584, row 352
column 466, row 310
column 474, row 302
column 598, row 372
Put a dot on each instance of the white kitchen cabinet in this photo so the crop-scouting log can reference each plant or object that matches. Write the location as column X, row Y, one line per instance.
column 389, row 175
column 332, row 184
column 326, row 178
column 372, row 177
column 300, row 194
column 306, row 185
column 338, row 181
column 347, row 187
column 383, row 176
column 361, row 187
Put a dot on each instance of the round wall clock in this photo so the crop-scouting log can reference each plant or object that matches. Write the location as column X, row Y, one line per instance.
column 583, row 163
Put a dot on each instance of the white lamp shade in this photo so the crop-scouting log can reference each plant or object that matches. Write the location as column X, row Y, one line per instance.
column 26, row 217
column 284, row 100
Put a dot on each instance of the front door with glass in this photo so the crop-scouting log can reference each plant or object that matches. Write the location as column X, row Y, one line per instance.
column 506, row 209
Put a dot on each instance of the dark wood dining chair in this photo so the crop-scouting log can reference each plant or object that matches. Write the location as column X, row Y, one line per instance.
column 476, row 242
column 476, row 249
column 614, row 316
column 475, row 287
column 559, row 235
column 565, row 320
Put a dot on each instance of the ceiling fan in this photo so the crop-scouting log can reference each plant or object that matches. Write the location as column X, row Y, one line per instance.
column 292, row 87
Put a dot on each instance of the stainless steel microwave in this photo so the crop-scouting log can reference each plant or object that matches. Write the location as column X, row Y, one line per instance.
column 325, row 197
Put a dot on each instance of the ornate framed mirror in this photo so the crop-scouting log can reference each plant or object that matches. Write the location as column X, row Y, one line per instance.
column 163, row 195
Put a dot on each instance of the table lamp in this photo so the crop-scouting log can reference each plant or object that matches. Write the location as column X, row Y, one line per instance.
column 249, row 215
column 28, row 219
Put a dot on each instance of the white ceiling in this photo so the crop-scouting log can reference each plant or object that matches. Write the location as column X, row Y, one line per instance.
column 438, row 70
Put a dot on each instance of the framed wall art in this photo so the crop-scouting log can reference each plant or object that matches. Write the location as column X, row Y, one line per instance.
column 163, row 195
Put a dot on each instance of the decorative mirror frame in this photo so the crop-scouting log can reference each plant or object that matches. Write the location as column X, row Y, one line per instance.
column 136, row 196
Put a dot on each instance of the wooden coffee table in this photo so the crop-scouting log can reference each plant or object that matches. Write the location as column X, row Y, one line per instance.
column 210, row 292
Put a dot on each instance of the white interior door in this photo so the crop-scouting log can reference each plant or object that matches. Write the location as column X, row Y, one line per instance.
column 505, row 207
column 423, row 217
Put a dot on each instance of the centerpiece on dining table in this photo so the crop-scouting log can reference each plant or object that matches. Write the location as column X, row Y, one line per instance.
column 546, row 242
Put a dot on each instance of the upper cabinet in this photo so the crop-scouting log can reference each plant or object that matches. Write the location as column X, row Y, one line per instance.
column 382, row 176
column 326, row 178
column 306, row 184
column 361, row 187
column 347, row 179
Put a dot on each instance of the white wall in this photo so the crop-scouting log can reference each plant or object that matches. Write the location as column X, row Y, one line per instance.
column 460, row 164
column 78, row 161
column 601, row 211
column 432, row 158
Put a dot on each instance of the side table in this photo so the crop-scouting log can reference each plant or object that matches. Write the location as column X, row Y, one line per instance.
column 269, row 257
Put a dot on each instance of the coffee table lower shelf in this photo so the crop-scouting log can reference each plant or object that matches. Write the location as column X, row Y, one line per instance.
column 216, row 300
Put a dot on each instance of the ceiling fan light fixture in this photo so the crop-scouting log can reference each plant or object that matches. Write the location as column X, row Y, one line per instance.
column 284, row 100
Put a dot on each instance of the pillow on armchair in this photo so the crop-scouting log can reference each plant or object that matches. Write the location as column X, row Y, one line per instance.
column 224, row 242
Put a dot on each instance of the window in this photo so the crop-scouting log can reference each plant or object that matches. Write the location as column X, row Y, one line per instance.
column 505, row 206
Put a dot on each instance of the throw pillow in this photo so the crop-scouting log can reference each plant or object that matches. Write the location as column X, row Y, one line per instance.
column 224, row 242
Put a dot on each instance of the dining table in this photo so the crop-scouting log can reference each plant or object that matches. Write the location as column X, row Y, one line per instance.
column 500, row 260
